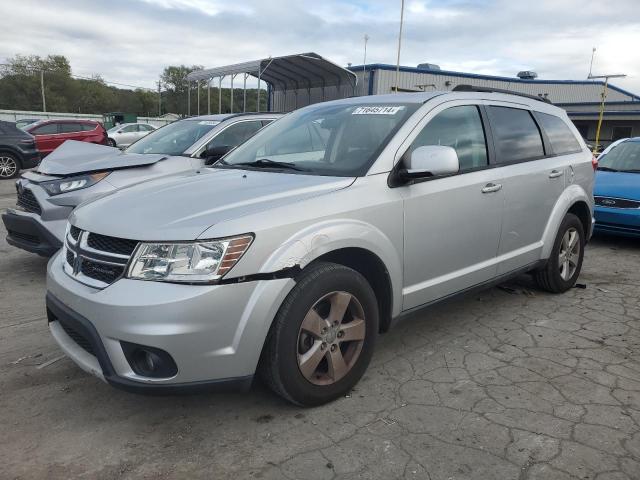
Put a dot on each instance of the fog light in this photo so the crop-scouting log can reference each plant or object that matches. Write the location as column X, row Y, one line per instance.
column 149, row 361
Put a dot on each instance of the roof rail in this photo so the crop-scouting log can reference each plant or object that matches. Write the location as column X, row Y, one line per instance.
column 473, row 88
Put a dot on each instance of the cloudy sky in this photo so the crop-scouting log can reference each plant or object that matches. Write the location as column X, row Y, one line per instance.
column 130, row 41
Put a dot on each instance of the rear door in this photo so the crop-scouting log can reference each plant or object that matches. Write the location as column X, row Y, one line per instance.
column 71, row 131
column 452, row 223
column 129, row 135
column 46, row 137
column 532, row 179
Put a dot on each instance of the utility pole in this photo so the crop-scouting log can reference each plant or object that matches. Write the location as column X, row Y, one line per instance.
column 399, row 45
column 159, row 101
column 604, row 98
column 364, row 63
column 44, row 100
column 593, row 54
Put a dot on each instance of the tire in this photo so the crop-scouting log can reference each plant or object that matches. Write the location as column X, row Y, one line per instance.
column 552, row 276
column 111, row 142
column 322, row 289
column 9, row 166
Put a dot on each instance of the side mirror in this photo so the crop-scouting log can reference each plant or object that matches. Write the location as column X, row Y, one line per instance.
column 120, row 131
column 213, row 154
column 432, row 160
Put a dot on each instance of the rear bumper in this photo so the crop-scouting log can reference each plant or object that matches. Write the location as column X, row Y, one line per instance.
column 30, row 159
column 618, row 221
column 26, row 232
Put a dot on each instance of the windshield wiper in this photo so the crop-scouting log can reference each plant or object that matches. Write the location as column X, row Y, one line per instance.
column 266, row 163
column 632, row 170
column 608, row 169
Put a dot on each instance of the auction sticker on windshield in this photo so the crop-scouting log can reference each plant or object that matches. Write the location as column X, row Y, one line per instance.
column 377, row 110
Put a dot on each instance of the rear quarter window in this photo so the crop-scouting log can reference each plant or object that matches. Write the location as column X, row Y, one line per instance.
column 559, row 134
column 517, row 137
column 70, row 127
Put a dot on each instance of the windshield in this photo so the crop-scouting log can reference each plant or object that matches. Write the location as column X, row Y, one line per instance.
column 173, row 139
column 625, row 157
column 114, row 129
column 333, row 139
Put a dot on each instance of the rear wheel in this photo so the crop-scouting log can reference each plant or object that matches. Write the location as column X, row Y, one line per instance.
column 323, row 336
column 9, row 165
column 111, row 142
column 563, row 267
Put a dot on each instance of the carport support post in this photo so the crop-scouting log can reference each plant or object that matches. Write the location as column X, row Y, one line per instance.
column 244, row 93
column 188, row 98
column 198, row 96
column 258, row 105
column 231, row 97
column 209, row 97
column 220, row 94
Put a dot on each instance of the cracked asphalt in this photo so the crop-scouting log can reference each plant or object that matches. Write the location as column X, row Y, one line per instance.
column 508, row 383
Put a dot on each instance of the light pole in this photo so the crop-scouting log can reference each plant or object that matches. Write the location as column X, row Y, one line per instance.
column 364, row 63
column 44, row 100
column 604, row 98
column 399, row 45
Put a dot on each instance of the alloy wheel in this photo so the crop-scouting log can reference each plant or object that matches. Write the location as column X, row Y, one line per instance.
column 569, row 255
column 331, row 338
column 8, row 167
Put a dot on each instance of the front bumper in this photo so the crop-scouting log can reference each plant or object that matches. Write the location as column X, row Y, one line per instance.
column 27, row 231
column 214, row 333
column 618, row 221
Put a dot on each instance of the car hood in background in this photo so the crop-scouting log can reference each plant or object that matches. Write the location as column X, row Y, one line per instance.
column 74, row 157
column 181, row 207
column 617, row 184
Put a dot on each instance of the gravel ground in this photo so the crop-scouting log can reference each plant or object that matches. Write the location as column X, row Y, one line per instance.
column 509, row 383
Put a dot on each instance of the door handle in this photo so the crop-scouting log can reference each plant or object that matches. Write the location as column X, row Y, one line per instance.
column 491, row 187
column 555, row 174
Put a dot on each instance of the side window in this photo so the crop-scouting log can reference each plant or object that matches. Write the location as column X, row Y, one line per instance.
column 236, row 134
column 559, row 134
column 130, row 129
column 47, row 129
column 70, row 127
column 460, row 128
column 145, row 128
column 516, row 135
column 266, row 122
column 87, row 127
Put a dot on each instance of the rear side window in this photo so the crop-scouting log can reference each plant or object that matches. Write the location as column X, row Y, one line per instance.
column 460, row 128
column 47, row 129
column 87, row 127
column 145, row 128
column 559, row 134
column 516, row 135
column 70, row 127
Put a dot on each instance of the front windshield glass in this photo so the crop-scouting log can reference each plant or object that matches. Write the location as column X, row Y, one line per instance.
column 625, row 157
column 333, row 139
column 173, row 139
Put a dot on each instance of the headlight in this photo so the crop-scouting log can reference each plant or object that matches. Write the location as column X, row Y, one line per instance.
column 189, row 262
column 69, row 184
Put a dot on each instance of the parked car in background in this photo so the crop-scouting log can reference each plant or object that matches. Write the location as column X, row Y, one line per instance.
column 617, row 189
column 290, row 254
column 611, row 146
column 17, row 150
column 25, row 122
column 50, row 134
column 127, row 133
column 78, row 172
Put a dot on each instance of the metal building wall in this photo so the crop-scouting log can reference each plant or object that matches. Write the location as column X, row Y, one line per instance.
column 560, row 92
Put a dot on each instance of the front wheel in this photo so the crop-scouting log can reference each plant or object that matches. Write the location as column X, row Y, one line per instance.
column 9, row 166
column 111, row 142
column 563, row 267
column 323, row 336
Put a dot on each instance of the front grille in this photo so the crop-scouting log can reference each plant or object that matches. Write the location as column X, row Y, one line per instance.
column 75, row 232
column 616, row 202
column 27, row 200
column 70, row 257
column 121, row 246
column 25, row 237
column 101, row 271
column 80, row 339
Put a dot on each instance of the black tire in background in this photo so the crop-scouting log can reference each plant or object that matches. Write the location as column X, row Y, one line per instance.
column 111, row 142
column 9, row 166
column 549, row 278
column 279, row 366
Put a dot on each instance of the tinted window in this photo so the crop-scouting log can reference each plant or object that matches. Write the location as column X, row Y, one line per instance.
column 174, row 138
column 47, row 129
column 516, row 135
column 460, row 128
column 70, row 127
column 235, row 134
column 559, row 134
column 87, row 127
column 145, row 128
column 130, row 129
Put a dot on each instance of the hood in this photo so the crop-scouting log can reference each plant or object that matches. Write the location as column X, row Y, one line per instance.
column 617, row 184
column 74, row 157
column 181, row 207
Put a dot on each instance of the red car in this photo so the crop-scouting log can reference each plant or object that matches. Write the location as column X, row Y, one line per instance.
column 50, row 134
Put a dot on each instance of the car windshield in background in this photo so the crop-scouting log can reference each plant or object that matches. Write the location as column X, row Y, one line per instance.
column 623, row 158
column 174, row 138
column 333, row 140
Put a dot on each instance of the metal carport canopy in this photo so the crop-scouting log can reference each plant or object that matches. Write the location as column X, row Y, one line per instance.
column 305, row 70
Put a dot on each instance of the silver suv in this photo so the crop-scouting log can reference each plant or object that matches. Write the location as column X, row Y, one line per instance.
column 77, row 172
column 293, row 252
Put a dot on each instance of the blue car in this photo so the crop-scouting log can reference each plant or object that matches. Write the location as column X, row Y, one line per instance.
column 617, row 190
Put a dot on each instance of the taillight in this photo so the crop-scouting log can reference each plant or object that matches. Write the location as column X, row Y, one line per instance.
column 594, row 163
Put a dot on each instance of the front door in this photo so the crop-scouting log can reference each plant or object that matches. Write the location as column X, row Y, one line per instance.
column 452, row 224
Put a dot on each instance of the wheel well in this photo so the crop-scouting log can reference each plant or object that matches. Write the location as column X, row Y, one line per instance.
column 373, row 269
column 581, row 210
